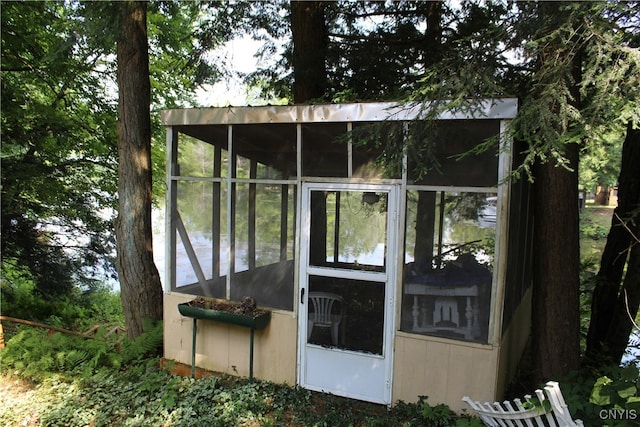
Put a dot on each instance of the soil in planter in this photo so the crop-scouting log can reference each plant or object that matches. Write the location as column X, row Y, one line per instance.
column 246, row 307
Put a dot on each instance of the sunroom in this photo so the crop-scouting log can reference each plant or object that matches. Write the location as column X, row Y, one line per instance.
column 388, row 277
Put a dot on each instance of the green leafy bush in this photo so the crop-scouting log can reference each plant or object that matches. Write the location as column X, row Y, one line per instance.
column 607, row 397
column 594, row 231
column 618, row 397
column 79, row 309
column 437, row 416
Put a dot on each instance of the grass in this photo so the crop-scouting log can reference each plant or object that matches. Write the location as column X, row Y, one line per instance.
column 595, row 222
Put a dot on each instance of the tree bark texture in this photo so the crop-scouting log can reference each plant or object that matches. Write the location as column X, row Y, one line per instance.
column 615, row 303
column 433, row 35
column 141, row 290
column 556, row 315
column 309, row 31
column 556, row 287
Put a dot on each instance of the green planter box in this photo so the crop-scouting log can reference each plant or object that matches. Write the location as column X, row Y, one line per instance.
column 258, row 322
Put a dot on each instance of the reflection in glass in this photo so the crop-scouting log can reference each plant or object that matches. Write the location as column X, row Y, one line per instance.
column 197, row 158
column 264, row 232
column 195, row 214
column 449, row 248
column 348, row 229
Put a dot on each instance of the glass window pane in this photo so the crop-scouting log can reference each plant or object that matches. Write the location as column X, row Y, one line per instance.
column 202, row 151
column 348, row 229
column 274, row 239
column 241, row 229
column 449, row 250
column 258, row 250
column 243, row 168
column 264, row 228
column 264, row 239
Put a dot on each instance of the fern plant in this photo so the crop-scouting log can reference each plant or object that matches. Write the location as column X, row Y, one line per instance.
column 33, row 354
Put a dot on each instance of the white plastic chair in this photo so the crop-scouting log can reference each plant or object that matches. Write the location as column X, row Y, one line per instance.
column 554, row 413
column 324, row 315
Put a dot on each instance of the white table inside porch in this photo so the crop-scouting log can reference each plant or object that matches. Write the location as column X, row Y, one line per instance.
column 446, row 300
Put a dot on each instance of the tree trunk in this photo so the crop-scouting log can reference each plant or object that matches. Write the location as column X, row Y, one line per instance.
column 556, row 264
column 141, row 290
column 309, row 31
column 426, row 209
column 433, row 35
column 612, row 308
column 425, row 228
column 556, row 317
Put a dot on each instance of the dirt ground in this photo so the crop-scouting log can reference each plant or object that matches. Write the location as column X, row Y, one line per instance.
column 16, row 394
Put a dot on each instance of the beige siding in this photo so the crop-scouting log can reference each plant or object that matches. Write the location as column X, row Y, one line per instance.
column 225, row 348
column 443, row 370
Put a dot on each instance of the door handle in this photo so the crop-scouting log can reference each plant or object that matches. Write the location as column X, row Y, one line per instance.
column 302, row 296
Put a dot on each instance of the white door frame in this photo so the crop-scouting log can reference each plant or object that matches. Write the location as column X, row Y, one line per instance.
column 342, row 372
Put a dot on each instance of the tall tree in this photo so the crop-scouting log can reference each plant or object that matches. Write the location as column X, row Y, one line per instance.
column 613, row 70
column 309, row 36
column 140, row 286
column 309, row 33
column 615, row 301
column 426, row 208
column 576, row 77
column 556, row 303
column 370, row 50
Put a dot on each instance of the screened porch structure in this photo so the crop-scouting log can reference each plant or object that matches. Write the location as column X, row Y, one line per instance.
column 426, row 260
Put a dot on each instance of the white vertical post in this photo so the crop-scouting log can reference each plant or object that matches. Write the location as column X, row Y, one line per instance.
column 502, row 237
column 170, row 210
column 230, row 221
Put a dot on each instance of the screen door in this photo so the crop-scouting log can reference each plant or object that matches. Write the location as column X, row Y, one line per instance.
column 346, row 305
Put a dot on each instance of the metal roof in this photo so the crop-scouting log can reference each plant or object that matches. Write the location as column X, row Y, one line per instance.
column 497, row 109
